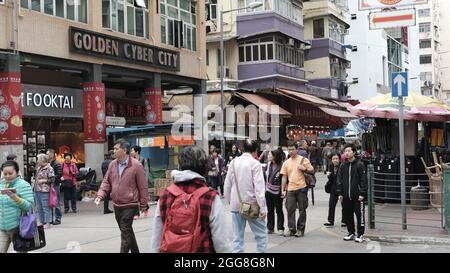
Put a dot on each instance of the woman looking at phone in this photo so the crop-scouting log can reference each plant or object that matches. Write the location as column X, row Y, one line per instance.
column 16, row 197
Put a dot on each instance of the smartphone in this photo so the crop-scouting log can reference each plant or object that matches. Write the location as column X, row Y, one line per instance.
column 8, row 189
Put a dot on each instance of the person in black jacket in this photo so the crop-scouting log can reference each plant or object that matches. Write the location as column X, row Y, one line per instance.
column 331, row 188
column 273, row 193
column 56, row 212
column 105, row 165
column 352, row 190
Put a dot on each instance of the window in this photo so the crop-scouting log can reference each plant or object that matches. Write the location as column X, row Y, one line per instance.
column 126, row 16
column 286, row 8
column 179, row 28
column 263, row 49
column 337, row 31
column 426, row 91
column 426, row 76
column 319, row 28
column 337, row 69
column 424, row 13
column 424, row 27
column 425, row 43
column 425, row 59
column 75, row 10
column 207, row 57
column 211, row 10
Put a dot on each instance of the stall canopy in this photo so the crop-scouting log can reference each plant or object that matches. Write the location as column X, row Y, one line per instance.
column 416, row 107
column 264, row 104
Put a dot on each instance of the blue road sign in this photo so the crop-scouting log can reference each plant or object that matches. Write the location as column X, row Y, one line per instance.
column 399, row 84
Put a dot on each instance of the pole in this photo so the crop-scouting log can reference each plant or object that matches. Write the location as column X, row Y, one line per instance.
column 370, row 176
column 222, row 73
column 402, row 161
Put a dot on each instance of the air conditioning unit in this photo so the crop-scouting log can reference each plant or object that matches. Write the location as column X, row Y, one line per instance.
column 291, row 42
column 354, row 17
column 334, row 61
column 348, row 65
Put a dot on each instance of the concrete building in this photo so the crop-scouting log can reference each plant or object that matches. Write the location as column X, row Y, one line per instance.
column 379, row 54
column 76, row 62
column 444, row 50
column 326, row 62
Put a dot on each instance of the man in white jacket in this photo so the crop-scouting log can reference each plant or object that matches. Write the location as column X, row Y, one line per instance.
column 193, row 165
column 249, row 175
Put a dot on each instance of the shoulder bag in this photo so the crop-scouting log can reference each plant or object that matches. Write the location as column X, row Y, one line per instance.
column 310, row 179
column 249, row 211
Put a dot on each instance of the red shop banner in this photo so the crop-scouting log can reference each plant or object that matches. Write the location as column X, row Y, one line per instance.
column 94, row 112
column 10, row 109
column 153, row 106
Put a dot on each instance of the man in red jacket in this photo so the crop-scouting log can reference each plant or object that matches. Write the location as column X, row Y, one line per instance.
column 127, row 183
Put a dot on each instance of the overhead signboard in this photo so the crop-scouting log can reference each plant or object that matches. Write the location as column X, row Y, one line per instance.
column 383, row 4
column 115, row 121
column 393, row 19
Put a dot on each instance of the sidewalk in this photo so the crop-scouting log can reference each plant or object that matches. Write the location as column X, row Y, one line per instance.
column 423, row 226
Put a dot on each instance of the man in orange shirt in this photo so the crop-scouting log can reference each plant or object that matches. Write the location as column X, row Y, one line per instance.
column 296, row 191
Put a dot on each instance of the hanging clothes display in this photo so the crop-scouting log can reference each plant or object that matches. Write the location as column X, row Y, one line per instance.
column 437, row 137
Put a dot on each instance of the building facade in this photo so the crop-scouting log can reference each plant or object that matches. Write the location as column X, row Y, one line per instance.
column 444, row 50
column 73, row 63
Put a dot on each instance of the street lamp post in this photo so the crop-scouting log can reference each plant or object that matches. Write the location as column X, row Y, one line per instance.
column 252, row 5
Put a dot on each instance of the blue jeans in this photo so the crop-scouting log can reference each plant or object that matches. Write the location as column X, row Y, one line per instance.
column 258, row 228
column 45, row 215
column 56, row 212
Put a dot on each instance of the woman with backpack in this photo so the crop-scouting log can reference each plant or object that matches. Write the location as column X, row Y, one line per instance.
column 331, row 188
column 69, row 183
column 273, row 193
column 16, row 197
column 175, row 229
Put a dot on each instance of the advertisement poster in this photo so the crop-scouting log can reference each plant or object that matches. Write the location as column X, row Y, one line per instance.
column 11, row 131
column 94, row 113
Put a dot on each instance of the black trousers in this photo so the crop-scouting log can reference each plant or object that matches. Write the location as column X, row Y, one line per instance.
column 297, row 199
column 274, row 203
column 356, row 207
column 106, row 204
column 124, row 218
column 332, row 208
column 70, row 198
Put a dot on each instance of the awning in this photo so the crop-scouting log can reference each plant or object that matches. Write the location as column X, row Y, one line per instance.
column 261, row 101
column 306, row 97
column 188, row 100
column 345, row 105
column 337, row 113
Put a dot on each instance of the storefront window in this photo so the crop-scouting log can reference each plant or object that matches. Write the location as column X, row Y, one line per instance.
column 179, row 28
column 69, row 9
column 126, row 16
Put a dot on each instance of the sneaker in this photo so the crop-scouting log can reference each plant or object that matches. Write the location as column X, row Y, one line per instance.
column 329, row 224
column 299, row 234
column 359, row 239
column 74, row 211
column 280, row 232
column 349, row 237
column 47, row 226
column 108, row 211
column 343, row 225
column 270, row 231
column 57, row 222
column 289, row 233
column 66, row 211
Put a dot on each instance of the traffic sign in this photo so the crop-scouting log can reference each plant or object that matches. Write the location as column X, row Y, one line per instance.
column 399, row 84
column 393, row 19
column 383, row 4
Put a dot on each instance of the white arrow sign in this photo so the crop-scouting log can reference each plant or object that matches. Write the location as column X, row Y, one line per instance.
column 399, row 81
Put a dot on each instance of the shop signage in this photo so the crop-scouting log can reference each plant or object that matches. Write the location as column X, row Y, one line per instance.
column 382, row 4
column 49, row 101
column 105, row 46
column 115, row 121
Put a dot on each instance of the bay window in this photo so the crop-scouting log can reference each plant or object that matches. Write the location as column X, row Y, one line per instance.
column 337, row 31
column 282, row 49
column 178, row 23
column 126, row 16
column 75, row 10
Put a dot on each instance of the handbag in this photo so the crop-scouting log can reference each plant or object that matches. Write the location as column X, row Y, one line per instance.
column 310, row 179
column 53, row 199
column 249, row 211
column 21, row 244
column 67, row 184
column 27, row 227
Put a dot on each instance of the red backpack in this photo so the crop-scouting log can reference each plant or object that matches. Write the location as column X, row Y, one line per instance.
column 181, row 232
